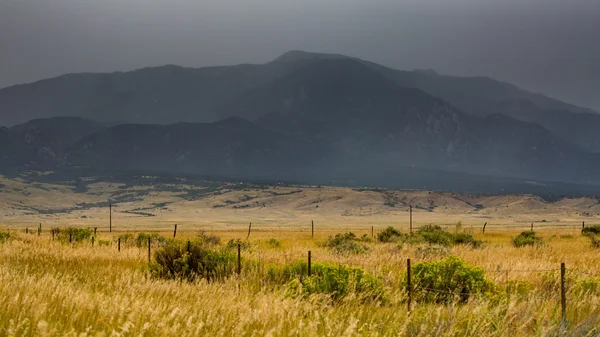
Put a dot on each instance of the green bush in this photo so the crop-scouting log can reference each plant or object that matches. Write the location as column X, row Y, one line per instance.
column 209, row 239
column 73, row 234
column 4, row 237
column 283, row 274
column 527, row 239
column 466, row 239
column 233, row 244
column 345, row 244
column 448, row 279
column 595, row 229
column 435, row 235
column 334, row 280
column 141, row 240
column 273, row 243
column 155, row 239
column 177, row 260
column 391, row 234
column 595, row 242
column 365, row 238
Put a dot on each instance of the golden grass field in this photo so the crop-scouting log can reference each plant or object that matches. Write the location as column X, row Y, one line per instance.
column 48, row 288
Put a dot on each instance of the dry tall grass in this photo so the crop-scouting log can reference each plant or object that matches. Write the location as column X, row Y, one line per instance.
column 48, row 288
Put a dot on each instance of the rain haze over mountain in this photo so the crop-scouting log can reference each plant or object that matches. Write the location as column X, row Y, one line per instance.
column 547, row 46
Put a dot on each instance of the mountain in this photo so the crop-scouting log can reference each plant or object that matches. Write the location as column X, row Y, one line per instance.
column 374, row 122
column 162, row 95
column 171, row 94
column 303, row 116
column 482, row 96
column 231, row 148
column 42, row 143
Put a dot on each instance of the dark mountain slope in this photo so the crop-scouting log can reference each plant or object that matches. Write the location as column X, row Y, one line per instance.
column 482, row 96
column 232, row 147
column 581, row 129
column 151, row 95
column 372, row 121
column 42, row 143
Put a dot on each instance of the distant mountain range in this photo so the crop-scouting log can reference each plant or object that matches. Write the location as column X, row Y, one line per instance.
column 304, row 116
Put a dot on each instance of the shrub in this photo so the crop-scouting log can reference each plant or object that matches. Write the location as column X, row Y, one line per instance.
column 209, row 239
column 4, row 237
column 155, row 239
column 345, row 244
column 595, row 229
column 466, row 239
column 104, row 242
column 141, row 239
column 527, row 239
column 284, row 274
column 365, row 238
column 189, row 261
column 435, row 235
column 391, row 234
column 273, row 243
column 233, row 244
column 73, row 234
column 445, row 280
column 334, row 280
column 595, row 242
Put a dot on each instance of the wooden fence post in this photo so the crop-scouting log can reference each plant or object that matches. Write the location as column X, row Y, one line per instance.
column 249, row 229
column 372, row 232
column 93, row 241
column 175, row 231
column 70, row 236
column 408, row 284
column 410, row 210
column 52, row 234
column 95, row 230
column 532, row 226
column 188, row 246
column 582, row 226
column 148, row 250
column 110, row 218
column 312, row 223
column 239, row 261
column 483, row 230
column 563, row 298
column 119, row 245
column 26, row 230
column 40, row 230
column 309, row 263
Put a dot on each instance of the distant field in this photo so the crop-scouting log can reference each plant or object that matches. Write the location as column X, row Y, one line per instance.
column 56, row 288
column 220, row 206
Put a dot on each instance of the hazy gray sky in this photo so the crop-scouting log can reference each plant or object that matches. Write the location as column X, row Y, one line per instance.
column 548, row 46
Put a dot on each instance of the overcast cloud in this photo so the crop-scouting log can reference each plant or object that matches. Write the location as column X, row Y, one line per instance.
column 551, row 46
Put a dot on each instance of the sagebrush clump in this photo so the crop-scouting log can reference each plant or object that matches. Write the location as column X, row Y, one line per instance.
column 527, row 239
column 391, row 234
column 209, row 239
column 73, row 234
column 345, row 244
column 595, row 229
column 188, row 261
column 141, row 239
column 448, row 279
column 334, row 280
column 4, row 237
column 233, row 244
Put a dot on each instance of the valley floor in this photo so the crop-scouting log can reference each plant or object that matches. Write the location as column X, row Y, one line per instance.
column 54, row 288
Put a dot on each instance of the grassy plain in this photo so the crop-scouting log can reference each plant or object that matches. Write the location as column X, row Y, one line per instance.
column 62, row 289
